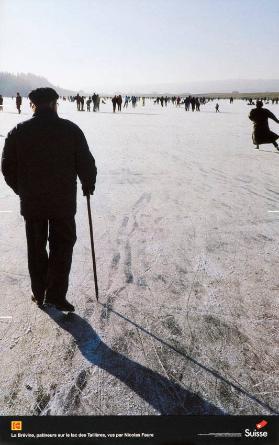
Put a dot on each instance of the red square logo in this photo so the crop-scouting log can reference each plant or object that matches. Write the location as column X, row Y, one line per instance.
column 261, row 424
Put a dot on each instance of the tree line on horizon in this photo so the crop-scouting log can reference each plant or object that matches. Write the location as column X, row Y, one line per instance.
column 23, row 83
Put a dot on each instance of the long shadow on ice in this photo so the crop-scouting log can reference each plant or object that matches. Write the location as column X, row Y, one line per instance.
column 193, row 360
column 166, row 396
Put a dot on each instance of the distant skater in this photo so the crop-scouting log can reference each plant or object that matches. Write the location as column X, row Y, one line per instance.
column 114, row 102
column 126, row 102
column 193, row 103
column 82, row 103
column 217, row 108
column 88, row 103
column 18, row 102
column 78, row 99
column 95, row 98
column 187, row 103
column 97, row 107
column 119, row 102
column 262, row 133
column 1, row 102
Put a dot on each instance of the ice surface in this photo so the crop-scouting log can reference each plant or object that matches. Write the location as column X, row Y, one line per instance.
column 188, row 268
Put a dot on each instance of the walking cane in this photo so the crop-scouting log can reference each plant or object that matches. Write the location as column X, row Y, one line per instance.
column 92, row 245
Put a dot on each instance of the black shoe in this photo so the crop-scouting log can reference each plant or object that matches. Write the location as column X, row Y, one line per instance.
column 39, row 301
column 63, row 305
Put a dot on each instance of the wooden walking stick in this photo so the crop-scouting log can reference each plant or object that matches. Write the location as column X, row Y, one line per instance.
column 92, row 245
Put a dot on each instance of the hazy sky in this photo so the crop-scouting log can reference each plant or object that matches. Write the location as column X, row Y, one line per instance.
column 110, row 43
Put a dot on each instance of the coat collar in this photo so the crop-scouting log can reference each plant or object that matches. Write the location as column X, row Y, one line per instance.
column 45, row 113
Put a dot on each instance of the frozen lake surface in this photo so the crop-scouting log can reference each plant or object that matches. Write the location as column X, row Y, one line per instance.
column 188, row 265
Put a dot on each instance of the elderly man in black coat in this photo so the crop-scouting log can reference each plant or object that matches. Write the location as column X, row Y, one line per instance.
column 41, row 160
column 262, row 133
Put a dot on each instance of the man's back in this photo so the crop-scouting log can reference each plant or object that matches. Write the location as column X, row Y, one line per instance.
column 42, row 158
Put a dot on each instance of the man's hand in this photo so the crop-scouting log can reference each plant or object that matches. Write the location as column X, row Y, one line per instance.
column 87, row 190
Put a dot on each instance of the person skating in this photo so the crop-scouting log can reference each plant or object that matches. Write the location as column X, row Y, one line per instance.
column 119, row 102
column 126, row 102
column 18, row 102
column 41, row 160
column 98, row 102
column 193, row 103
column 187, row 103
column 262, row 133
column 78, row 99
column 114, row 102
column 1, row 102
column 94, row 100
column 217, row 108
column 82, row 103
column 88, row 103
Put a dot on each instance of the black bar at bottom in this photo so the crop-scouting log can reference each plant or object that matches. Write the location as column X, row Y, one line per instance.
column 163, row 430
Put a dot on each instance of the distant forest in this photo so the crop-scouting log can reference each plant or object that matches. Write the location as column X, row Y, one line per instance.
column 22, row 83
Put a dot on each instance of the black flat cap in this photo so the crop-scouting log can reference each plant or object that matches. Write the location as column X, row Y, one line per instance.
column 42, row 96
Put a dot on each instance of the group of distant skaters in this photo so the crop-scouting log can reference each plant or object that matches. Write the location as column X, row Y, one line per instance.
column 118, row 100
column 274, row 100
column 18, row 102
column 95, row 100
column 190, row 102
column 259, row 115
column 81, row 100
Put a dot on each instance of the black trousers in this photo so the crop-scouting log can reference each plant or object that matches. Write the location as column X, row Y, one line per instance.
column 49, row 272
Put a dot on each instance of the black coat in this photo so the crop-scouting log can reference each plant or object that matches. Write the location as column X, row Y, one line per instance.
column 262, row 133
column 41, row 160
